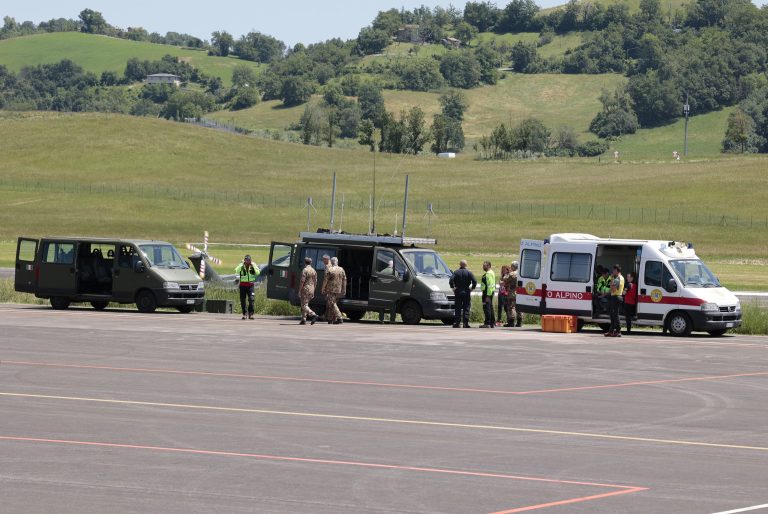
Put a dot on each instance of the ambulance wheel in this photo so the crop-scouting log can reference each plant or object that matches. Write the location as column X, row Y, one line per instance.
column 99, row 305
column 355, row 315
column 411, row 312
column 679, row 324
column 604, row 326
column 580, row 325
column 59, row 302
column 145, row 301
column 718, row 333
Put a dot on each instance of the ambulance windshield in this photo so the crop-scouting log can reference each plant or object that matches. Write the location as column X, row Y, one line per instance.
column 694, row 273
column 426, row 262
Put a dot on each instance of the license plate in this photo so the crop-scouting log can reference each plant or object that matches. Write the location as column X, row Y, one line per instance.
column 190, row 302
column 729, row 325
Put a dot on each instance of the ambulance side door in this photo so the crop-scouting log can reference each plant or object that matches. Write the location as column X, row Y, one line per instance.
column 530, row 276
column 658, row 291
column 569, row 284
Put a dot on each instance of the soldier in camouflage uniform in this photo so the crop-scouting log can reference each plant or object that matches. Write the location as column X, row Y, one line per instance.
column 307, row 291
column 334, row 287
column 514, row 317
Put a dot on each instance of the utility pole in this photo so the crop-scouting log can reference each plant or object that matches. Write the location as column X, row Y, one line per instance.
column 686, row 111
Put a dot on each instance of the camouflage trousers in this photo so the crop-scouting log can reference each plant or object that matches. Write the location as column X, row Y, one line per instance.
column 513, row 315
column 305, row 298
column 332, row 312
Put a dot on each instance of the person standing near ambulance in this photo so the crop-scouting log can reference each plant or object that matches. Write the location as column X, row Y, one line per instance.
column 463, row 283
column 488, row 287
column 615, row 301
column 247, row 271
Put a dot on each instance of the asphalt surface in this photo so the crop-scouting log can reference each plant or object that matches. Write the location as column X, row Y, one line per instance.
column 117, row 411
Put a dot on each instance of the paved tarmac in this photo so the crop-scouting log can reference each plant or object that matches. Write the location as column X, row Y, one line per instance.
column 118, row 411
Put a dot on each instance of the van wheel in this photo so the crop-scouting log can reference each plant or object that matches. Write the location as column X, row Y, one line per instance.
column 679, row 324
column 718, row 333
column 355, row 315
column 184, row 309
column 145, row 301
column 100, row 305
column 60, row 303
column 447, row 321
column 411, row 313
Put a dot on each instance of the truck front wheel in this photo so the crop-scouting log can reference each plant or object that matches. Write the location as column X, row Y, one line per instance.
column 146, row 302
column 60, row 302
column 411, row 312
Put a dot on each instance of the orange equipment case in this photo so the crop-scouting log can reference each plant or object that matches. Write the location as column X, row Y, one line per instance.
column 559, row 323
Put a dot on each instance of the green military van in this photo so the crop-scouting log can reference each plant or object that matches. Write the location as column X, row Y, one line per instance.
column 384, row 274
column 150, row 274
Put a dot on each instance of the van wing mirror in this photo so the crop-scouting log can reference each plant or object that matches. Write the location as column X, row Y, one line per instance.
column 406, row 276
column 138, row 267
column 671, row 286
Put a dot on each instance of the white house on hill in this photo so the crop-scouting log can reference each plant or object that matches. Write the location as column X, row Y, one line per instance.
column 164, row 78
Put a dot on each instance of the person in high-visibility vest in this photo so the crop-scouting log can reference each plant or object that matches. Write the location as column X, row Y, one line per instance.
column 247, row 271
column 615, row 301
column 488, row 287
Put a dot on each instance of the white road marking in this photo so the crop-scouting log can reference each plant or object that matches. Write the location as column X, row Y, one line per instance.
column 745, row 509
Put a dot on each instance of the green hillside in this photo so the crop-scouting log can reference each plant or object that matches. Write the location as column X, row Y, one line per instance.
column 116, row 175
column 100, row 53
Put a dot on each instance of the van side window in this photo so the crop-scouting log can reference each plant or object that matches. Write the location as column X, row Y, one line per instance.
column 571, row 267
column 530, row 266
column 127, row 256
column 59, row 253
column 27, row 250
column 656, row 274
column 316, row 254
column 385, row 262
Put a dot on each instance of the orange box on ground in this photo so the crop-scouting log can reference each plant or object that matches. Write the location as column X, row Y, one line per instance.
column 558, row 323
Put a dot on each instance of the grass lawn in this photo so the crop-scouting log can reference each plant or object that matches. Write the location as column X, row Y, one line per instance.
column 101, row 53
column 120, row 176
column 555, row 48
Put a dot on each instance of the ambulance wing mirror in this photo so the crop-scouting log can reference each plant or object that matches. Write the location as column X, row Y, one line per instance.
column 671, row 286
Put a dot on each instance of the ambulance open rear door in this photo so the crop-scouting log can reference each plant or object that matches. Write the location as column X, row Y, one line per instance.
column 529, row 276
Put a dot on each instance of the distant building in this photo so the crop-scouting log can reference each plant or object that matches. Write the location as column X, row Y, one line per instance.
column 451, row 42
column 164, row 78
column 408, row 34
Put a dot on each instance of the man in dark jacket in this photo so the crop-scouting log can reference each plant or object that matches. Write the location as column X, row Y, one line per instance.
column 463, row 283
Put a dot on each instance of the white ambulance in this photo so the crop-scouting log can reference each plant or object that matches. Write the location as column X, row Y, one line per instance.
column 676, row 290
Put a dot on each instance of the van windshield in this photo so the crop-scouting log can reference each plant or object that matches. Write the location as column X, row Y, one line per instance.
column 162, row 256
column 694, row 273
column 426, row 262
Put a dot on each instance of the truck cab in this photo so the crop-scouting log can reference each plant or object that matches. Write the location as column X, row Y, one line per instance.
column 63, row 270
column 385, row 274
column 676, row 290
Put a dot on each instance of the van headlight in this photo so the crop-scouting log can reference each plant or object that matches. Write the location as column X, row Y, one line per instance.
column 437, row 296
column 709, row 307
column 171, row 285
column 200, row 286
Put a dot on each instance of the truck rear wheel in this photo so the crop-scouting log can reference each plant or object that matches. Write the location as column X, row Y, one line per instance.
column 146, row 302
column 60, row 302
column 411, row 312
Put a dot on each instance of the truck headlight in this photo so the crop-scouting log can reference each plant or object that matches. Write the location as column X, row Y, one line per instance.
column 437, row 296
column 171, row 285
column 709, row 307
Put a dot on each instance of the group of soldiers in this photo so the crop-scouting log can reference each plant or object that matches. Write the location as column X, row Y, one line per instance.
column 334, row 286
column 463, row 282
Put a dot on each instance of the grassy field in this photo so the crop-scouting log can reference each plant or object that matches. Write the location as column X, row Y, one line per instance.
column 555, row 48
column 555, row 99
column 108, row 175
column 100, row 53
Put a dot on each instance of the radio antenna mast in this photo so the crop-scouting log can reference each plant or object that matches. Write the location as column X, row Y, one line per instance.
column 333, row 201
column 341, row 218
column 405, row 207
column 430, row 213
column 309, row 207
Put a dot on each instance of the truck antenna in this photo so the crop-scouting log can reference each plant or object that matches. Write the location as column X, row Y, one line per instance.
column 333, row 200
column 405, row 207
column 309, row 207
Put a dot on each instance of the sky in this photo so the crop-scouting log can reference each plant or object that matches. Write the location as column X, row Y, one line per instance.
column 292, row 21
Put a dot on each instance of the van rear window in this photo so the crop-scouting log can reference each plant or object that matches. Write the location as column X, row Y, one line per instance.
column 530, row 264
column 59, row 253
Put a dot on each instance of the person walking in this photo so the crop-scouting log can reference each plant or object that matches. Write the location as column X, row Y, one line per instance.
column 463, row 283
column 247, row 271
column 615, row 301
column 630, row 300
column 514, row 317
column 334, row 287
column 488, row 287
column 307, row 286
